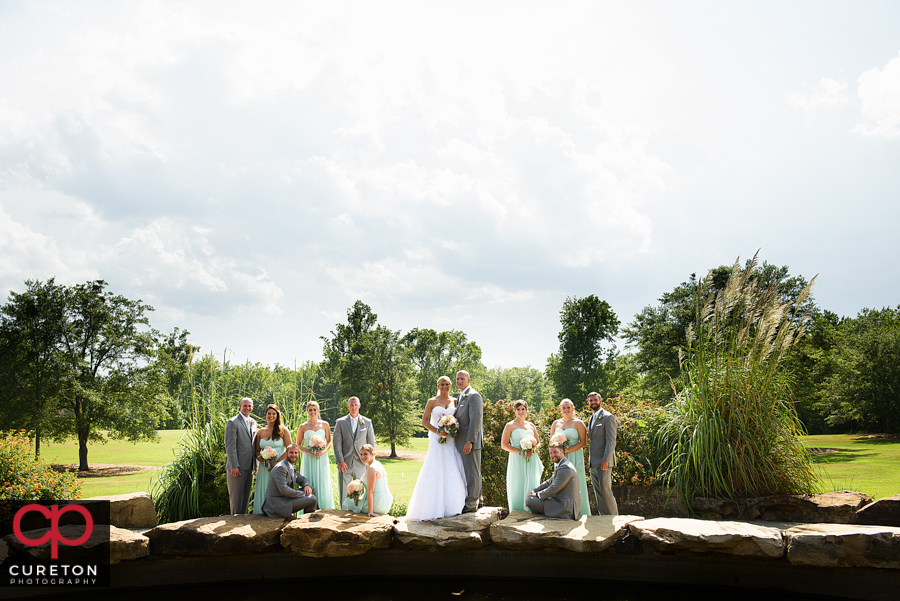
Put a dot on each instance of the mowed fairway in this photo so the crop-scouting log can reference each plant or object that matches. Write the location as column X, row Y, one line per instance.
column 857, row 462
column 150, row 454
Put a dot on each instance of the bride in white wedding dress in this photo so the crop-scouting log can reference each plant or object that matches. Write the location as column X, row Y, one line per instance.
column 441, row 488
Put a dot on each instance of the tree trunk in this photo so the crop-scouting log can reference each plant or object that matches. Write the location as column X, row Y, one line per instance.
column 83, row 428
column 37, row 444
column 393, row 450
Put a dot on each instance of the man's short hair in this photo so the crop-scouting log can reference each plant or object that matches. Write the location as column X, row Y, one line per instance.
column 293, row 445
column 557, row 445
column 353, row 398
column 596, row 394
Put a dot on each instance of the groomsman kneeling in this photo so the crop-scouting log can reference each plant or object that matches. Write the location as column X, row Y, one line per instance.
column 282, row 500
column 560, row 496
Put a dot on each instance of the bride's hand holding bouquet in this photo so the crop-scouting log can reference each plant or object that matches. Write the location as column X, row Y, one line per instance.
column 449, row 425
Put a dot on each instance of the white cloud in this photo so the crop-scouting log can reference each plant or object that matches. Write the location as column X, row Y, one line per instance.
column 879, row 96
column 827, row 95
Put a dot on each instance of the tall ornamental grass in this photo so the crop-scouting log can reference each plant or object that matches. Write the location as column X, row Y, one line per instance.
column 193, row 484
column 732, row 430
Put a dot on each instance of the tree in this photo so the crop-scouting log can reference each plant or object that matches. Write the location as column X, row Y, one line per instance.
column 32, row 370
column 864, row 387
column 175, row 354
column 578, row 368
column 659, row 332
column 379, row 363
column 435, row 354
column 337, row 349
column 109, row 353
column 513, row 383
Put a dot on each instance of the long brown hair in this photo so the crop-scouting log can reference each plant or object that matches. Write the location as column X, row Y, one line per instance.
column 276, row 427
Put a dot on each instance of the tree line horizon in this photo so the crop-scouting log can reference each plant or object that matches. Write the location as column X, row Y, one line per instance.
column 81, row 361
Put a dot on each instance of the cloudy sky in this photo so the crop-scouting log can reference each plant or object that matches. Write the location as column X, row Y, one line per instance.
column 252, row 169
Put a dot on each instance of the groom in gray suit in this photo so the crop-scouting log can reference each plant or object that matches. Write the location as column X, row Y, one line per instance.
column 351, row 432
column 602, row 430
column 282, row 499
column 560, row 496
column 469, row 439
column 240, row 462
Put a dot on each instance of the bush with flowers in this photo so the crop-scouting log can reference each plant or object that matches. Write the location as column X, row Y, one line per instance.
column 22, row 478
column 637, row 460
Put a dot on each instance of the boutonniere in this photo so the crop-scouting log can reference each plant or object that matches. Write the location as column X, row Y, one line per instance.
column 463, row 399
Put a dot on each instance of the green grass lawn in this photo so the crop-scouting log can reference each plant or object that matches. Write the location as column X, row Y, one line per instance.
column 154, row 454
column 853, row 462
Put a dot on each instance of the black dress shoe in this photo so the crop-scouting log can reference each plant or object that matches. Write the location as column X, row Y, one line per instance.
column 468, row 510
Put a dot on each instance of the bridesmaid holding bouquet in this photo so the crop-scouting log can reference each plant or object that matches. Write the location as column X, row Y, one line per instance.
column 314, row 439
column 523, row 468
column 270, row 446
column 576, row 436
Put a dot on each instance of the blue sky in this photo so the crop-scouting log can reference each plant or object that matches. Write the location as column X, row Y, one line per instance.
column 251, row 172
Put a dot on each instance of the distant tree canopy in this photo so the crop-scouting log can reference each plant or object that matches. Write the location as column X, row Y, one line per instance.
column 658, row 332
column 579, row 366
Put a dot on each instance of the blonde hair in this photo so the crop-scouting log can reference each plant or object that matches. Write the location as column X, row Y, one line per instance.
column 444, row 379
column 569, row 401
column 313, row 404
column 368, row 449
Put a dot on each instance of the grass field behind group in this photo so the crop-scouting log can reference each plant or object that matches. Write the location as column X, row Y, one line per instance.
column 844, row 461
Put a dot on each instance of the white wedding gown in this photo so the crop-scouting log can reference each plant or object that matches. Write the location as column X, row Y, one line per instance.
column 441, row 488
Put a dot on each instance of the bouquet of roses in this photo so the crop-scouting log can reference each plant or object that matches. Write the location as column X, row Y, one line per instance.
column 268, row 455
column 316, row 444
column 448, row 424
column 356, row 490
column 527, row 443
column 561, row 439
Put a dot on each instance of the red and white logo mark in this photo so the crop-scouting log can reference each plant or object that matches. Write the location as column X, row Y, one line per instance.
column 52, row 513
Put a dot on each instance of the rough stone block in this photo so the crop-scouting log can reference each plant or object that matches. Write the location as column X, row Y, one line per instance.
column 673, row 535
column 337, row 533
column 843, row 545
column 883, row 512
column 133, row 510
column 524, row 531
column 223, row 535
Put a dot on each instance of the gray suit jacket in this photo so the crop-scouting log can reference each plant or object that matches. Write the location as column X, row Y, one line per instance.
column 346, row 445
column 602, row 430
column 239, row 444
column 561, row 494
column 281, row 492
column 470, row 415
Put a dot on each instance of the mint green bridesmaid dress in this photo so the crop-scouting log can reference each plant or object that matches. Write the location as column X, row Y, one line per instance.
column 577, row 459
column 521, row 475
column 318, row 471
column 382, row 500
column 262, row 474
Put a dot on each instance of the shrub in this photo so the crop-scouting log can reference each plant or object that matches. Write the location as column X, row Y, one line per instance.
column 22, row 478
column 637, row 459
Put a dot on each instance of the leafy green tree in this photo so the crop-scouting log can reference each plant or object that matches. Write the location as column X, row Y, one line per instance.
column 864, row 387
column 109, row 353
column 337, row 349
column 33, row 374
column 659, row 332
column 579, row 366
column 435, row 354
column 513, row 383
column 175, row 354
column 379, row 364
